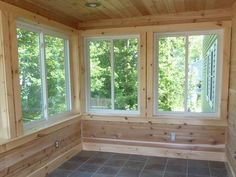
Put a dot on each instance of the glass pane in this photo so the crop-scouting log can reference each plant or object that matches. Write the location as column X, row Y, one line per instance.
column 126, row 74
column 202, row 73
column 30, row 79
column 171, row 73
column 100, row 74
column 55, row 72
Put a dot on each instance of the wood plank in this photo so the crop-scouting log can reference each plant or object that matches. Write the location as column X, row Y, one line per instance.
column 174, row 18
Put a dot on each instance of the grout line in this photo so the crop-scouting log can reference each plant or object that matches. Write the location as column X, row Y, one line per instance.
column 145, row 164
column 123, row 165
column 187, row 168
column 101, row 165
column 164, row 171
column 209, row 168
column 81, row 164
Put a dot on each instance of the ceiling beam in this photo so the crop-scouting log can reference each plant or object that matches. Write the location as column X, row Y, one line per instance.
column 176, row 18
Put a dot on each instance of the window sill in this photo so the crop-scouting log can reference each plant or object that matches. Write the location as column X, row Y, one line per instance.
column 38, row 131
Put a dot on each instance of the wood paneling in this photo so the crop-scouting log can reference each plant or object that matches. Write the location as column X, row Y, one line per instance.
column 31, row 156
column 231, row 140
column 204, row 138
column 163, row 19
column 70, row 12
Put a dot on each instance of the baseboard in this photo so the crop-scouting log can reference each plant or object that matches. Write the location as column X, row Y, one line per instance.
column 155, row 151
column 55, row 163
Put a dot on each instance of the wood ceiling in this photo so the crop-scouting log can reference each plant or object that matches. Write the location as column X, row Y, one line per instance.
column 71, row 12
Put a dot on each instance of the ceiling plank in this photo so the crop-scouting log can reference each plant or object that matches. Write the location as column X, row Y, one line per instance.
column 186, row 17
column 59, row 17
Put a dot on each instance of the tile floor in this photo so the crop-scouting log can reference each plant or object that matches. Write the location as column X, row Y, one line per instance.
column 104, row 164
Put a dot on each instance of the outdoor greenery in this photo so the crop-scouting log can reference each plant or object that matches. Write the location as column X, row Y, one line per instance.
column 31, row 75
column 118, row 59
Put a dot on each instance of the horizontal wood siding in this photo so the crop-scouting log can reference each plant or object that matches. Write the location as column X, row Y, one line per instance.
column 27, row 158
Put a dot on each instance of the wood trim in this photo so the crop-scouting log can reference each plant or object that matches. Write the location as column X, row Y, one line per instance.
column 55, row 163
column 153, row 151
column 7, row 103
column 175, row 18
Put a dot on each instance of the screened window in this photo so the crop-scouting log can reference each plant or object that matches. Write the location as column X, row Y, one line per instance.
column 44, row 73
column 113, row 74
column 186, row 68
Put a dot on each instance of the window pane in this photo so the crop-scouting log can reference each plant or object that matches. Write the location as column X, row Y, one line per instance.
column 30, row 80
column 171, row 73
column 55, row 72
column 126, row 74
column 100, row 74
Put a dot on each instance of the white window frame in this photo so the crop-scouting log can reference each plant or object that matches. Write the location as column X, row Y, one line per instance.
column 42, row 31
column 88, row 84
column 219, row 62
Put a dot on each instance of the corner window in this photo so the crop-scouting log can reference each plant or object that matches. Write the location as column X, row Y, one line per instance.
column 113, row 77
column 44, row 73
column 186, row 73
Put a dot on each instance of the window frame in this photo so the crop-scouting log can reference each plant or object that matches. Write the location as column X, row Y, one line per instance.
column 219, row 68
column 42, row 32
column 89, row 110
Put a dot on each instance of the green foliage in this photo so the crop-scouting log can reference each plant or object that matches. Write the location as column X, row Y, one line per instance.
column 125, row 54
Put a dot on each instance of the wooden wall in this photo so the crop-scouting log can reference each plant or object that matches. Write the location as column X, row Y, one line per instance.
column 231, row 140
column 38, row 152
column 189, row 138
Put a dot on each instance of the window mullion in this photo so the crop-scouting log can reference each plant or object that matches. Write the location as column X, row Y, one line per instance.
column 186, row 74
column 112, row 76
column 67, row 75
column 43, row 76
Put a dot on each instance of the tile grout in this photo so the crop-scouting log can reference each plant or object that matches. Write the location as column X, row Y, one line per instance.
column 123, row 165
column 145, row 164
column 82, row 164
column 94, row 173
column 164, row 170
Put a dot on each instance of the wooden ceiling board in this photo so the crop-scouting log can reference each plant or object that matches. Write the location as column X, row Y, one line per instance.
column 72, row 12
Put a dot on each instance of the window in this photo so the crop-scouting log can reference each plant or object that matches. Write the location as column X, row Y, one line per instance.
column 186, row 68
column 44, row 73
column 113, row 80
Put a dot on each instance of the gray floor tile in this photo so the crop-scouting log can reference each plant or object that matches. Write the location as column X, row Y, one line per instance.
column 198, row 163
column 138, row 158
column 134, row 164
column 174, row 162
column 219, row 172
column 88, row 168
column 176, row 169
column 195, row 170
column 105, row 155
column 154, row 166
column 169, row 174
column 194, row 175
column 157, row 160
column 70, row 165
column 108, row 170
column 120, row 156
column 96, row 161
column 129, row 172
column 217, row 164
column 81, row 174
column 59, row 173
column 115, row 162
column 151, row 173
